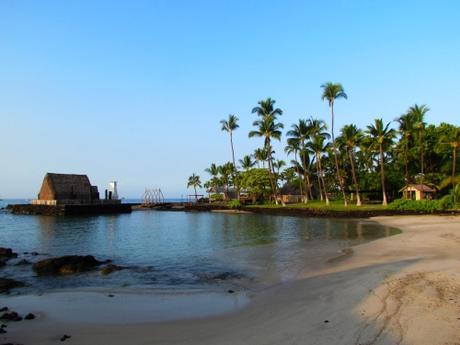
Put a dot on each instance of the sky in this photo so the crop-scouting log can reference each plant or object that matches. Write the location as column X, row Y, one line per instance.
column 134, row 91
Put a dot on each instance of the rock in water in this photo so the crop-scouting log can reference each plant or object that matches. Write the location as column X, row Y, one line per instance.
column 64, row 265
column 6, row 284
column 7, row 253
column 111, row 268
column 29, row 316
column 11, row 316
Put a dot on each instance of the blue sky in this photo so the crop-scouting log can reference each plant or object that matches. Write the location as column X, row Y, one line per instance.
column 135, row 90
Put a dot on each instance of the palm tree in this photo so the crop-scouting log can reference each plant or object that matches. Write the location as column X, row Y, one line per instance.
column 261, row 155
column 453, row 140
column 278, row 164
column 194, row 181
column 247, row 162
column 269, row 129
column 226, row 172
column 301, row 131
column 406, row 128
column 381, row 139
column 213, row 170
column 351, row 137
column 293, row 147
column 418, row 112
column 331, row 92
column 317, row 147
column 229, row 126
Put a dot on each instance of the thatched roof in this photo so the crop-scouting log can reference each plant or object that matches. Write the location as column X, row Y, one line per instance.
column 67, row 187
column 420, row 187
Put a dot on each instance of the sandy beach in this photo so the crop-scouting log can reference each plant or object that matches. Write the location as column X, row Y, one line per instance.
column 403, row 289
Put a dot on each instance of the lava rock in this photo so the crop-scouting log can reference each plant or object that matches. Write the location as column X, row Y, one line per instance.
column 65, row 337
column 34, row 253
column 7, row 253
column 11, row 316
column 230, row 291
column 216, row 277
column 6, row 284
column 64, row 265
column 29, row 316
column 2, row 331
column 110, row 268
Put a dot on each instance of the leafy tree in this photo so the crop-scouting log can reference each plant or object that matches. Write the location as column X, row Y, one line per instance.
column 257, row 182
column 247, row 162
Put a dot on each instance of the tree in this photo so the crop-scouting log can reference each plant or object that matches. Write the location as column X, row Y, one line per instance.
column 194, row 181
column 257, row 183
column 247, row 162
column 301, row 131
column 406, row 128
column 213, row 170
column 331, row 92
column 381, row 140
column 226, row 173
column 229, row 126
column 317, row 147
column 350, row 138
column 452, row 138
column 417, row 112
column 269, row 129
column 293, row 147
column 261, row 155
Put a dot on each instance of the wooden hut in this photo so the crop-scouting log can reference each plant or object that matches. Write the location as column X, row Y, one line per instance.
column 417, row 192
column 66, row 189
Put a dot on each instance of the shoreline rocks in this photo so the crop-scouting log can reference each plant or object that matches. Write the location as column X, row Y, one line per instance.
column 66, row 265
column 6, row 284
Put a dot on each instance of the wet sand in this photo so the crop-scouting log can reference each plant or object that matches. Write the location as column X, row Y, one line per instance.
column 403, row 289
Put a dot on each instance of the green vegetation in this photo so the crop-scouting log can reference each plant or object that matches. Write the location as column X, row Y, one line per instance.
column 355, row 170
column 234, row 204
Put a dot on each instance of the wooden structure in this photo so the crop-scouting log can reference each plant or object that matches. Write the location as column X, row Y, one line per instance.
column 153, row 197
column 417, row 192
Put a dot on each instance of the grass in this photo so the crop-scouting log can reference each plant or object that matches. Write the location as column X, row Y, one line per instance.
column 334, row 206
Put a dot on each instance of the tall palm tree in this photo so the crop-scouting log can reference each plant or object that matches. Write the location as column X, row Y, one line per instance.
column 351, row 137
column 406, row 128
column 229, row 126
column 331, row 92
column 301, row 131
column 382, row 137
column 194, row 181
column 294, row 147
column 317, row 146
column 247, row 162
column 418, row 113
column 269, row 129
column 453, row 140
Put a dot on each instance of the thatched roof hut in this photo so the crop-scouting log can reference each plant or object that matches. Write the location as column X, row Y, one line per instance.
column 67, row 189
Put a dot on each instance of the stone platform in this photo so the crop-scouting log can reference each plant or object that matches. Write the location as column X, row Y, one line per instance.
column 69, row 210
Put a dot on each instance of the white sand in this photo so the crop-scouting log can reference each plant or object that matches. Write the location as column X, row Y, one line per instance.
column 403, row 289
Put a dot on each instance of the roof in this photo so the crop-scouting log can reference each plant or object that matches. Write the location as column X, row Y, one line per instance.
column 66, row 186
column 420, row 187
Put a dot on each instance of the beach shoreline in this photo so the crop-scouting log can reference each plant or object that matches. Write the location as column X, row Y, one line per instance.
column 398, row 289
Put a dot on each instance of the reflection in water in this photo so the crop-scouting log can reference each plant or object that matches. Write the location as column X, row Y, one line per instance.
column 182, row 247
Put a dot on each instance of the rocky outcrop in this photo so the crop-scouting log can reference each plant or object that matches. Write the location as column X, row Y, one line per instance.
column 6, row 284
column 110, row 268
column 64, row 265
column 7, row 253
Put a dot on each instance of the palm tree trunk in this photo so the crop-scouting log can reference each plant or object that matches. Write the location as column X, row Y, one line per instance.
column 324, row 184
column 234, row 167
column 336, row 159
column 382, row 177
column 318, row 173
column 304, row 171
column 271, row 172
column 454, row 164
column 422, row 162
column 355, row 180
column 196, row 195
column 298, row 173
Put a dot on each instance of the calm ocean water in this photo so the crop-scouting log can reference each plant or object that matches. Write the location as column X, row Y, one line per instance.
column 180, row 250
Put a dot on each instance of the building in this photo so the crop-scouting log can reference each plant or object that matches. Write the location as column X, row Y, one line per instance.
column 417, row 192
column 69, row 189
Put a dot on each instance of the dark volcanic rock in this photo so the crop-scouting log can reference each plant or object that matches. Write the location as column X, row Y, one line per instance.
column 68, row 264
column 7, row 253
column 29, row 316
column 110, row 268
column 216, row 277
column 6, row 284
column 10, row 316
column 65, row 337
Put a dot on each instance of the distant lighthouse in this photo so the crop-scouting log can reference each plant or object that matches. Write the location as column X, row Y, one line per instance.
column 113, row 190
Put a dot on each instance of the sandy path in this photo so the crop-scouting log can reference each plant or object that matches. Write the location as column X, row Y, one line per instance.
column 404, row 289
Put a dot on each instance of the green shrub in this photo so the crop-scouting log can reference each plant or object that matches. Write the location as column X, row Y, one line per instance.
column 417, row 205
column 216, row 197
column 234, row 204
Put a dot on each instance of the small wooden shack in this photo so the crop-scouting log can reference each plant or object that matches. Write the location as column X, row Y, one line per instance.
column 66, row 189
column 417, row 192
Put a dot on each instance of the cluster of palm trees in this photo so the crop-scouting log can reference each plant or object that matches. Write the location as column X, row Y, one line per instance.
column 325, row 165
